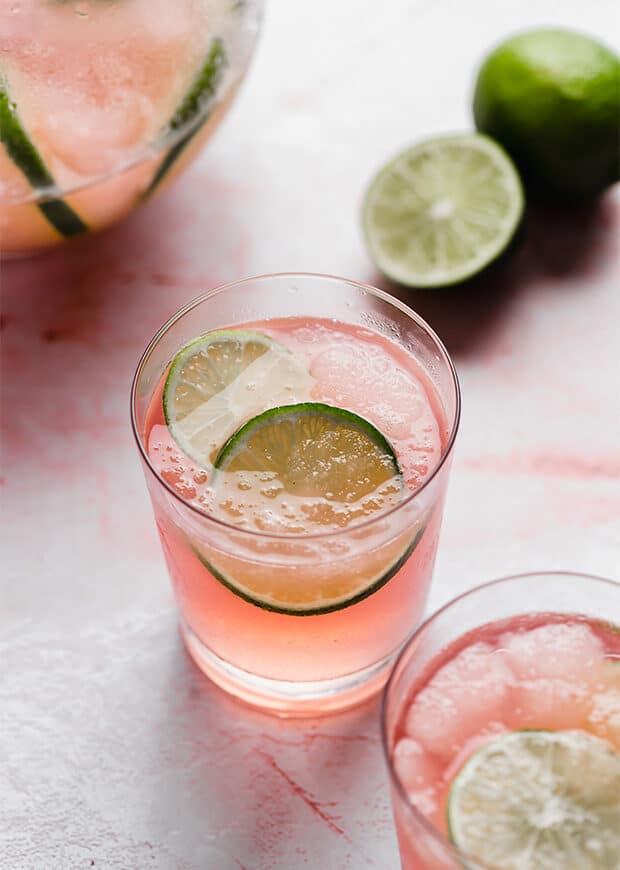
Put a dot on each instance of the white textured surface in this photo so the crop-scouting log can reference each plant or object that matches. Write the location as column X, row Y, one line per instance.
column 114, row 751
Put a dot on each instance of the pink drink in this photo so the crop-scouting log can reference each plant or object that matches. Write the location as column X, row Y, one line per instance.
column 546, row 671
column 96, row 88
column 361, row 371
column 278, row 542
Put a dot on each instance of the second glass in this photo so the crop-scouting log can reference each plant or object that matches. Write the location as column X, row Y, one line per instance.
column 303, row 617
column 520, row 668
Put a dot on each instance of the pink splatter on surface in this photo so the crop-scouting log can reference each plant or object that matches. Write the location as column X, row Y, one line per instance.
column 119, row 753
column 547, row 463
column 319, row 808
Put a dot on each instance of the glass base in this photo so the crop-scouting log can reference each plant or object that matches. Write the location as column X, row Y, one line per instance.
column 283, row 697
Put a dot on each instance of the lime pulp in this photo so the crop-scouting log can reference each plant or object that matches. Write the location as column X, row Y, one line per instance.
column 539, row 800
column 442, row 211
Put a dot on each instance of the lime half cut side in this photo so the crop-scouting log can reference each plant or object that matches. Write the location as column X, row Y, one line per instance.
column 321, row 459
column 539, row 800
column 222, row 379
column 443, row 210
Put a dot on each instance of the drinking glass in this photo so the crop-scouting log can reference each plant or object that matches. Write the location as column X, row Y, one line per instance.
column 103, row 104
column 422, row 845
column 290, row 663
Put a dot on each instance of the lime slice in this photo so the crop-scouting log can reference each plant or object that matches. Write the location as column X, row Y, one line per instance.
column 201, row 93
column 295, row 592
column 539, row 800
column 442, row 211
column 314, row 450
column 28, row 160
column 220, row 380
column 322, row 458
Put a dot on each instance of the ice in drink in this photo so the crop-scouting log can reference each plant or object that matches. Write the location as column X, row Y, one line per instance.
column 508, row 744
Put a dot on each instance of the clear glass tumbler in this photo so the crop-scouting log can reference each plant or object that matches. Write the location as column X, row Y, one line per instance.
column 299, row 663
column 536, row 686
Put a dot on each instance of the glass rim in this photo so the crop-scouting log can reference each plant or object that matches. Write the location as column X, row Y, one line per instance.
column 152, row 149
column 255, row 533
column 395, row 781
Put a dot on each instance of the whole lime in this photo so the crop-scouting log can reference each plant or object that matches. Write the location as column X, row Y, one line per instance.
column 552, row 99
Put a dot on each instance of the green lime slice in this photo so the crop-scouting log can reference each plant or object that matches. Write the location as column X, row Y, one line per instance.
column 315, row 450
column 28, row 160
column 539, row 800
column 314, row 596
column 198, row 98
column 324, row 457
column 442, row 210
column 221, row 379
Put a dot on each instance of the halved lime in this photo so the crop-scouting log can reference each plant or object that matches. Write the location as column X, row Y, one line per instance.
column 442, row 210
column 220, row 380
column 200, row 94
column 28, row 160
column 322, row 459
column 539, row 800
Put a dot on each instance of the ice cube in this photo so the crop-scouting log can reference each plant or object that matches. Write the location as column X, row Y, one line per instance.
column 415, row 768
column 568, row 651
column 479, row 662
column 604, row 718
column 551, row 704
column 468, row 695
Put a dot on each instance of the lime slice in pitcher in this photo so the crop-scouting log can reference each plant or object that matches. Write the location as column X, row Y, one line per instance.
column 27, row 158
